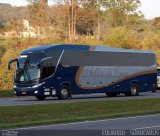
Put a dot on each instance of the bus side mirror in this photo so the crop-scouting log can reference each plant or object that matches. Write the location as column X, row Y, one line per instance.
column 10, row 62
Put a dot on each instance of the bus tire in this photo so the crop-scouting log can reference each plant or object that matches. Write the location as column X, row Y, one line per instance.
column 64, row 92
column 40, row 97
column 111, row 94
column 133, row 90
column 155, row 89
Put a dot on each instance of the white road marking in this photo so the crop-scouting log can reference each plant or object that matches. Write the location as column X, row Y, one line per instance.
column 146, row 127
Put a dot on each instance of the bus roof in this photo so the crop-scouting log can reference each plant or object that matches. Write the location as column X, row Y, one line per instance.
column 112, row 49
column 53, row 47
column 72, row 47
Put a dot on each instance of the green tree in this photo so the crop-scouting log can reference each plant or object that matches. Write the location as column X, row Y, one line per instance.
column 95, row 6
column 120, row 11
column 59, row 21
column 39, row 17
column 71, row 12
column 157, row 22
column 86, row 23
column 16, row 25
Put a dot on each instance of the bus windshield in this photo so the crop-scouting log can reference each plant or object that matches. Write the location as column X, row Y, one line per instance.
column 27, row 74
column 27, row 68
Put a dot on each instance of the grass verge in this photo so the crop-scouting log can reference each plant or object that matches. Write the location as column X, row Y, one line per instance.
column 4, row 94
column 19, row 116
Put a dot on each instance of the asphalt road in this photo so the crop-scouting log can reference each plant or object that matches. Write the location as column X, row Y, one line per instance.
column 75, row 98
column 139, row 122
column 146, row 125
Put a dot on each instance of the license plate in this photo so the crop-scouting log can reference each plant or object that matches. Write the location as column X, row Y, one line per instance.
column 23, row 92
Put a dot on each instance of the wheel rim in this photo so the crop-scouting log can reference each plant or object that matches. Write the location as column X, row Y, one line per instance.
column 64, row 92
column 133, row 90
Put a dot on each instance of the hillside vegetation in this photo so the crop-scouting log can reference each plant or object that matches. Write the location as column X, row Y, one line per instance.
column 8, row 12
column 119, row 24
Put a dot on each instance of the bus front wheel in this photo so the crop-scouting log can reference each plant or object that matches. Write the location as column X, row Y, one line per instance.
column 40, row 97
column 133, row 90
column 64, row 93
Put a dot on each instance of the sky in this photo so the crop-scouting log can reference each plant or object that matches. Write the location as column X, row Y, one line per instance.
column 150, row 8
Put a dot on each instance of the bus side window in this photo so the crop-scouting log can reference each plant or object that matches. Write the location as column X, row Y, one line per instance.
column 48, row 69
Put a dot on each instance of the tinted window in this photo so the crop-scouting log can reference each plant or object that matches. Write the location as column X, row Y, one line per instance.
column 27, row 70
column 107, row 59
column 48, row 68
column 158, row 72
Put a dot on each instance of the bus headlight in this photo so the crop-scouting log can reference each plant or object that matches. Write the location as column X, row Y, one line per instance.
column 36, row 92
column 38, row 85
column 15, row 87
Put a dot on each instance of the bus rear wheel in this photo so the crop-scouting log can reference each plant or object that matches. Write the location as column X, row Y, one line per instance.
column 64, row 93
column 133, row 90
column 40, row 97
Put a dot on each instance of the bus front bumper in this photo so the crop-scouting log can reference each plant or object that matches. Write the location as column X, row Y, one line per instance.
column 27, row 92
column 22, row 91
